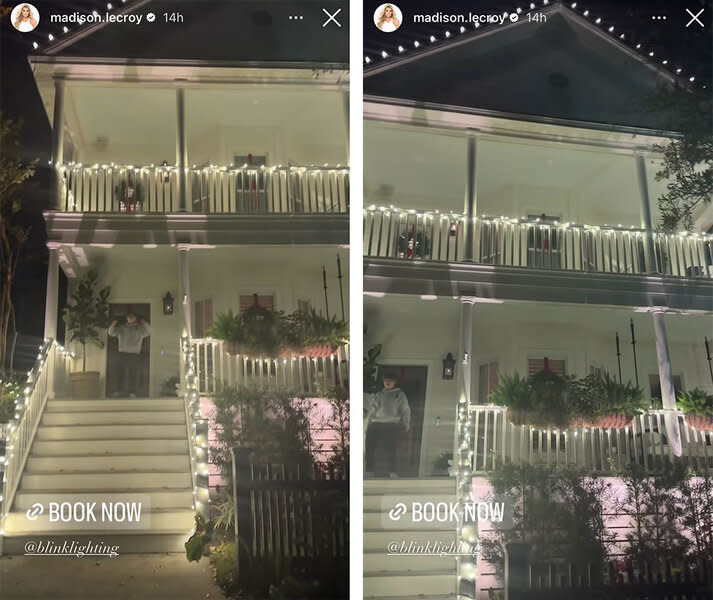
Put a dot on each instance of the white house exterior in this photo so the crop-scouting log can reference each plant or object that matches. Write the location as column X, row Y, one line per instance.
column 510, row 219
column 208, row 179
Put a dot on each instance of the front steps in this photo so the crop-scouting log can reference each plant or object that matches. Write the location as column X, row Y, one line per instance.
column 104, row 450
column 397, row 576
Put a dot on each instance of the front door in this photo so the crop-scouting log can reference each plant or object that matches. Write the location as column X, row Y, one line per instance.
column 113, row 382
column 412, row 380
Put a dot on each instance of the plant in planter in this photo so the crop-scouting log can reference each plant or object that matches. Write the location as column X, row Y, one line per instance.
column 443, row 465
column 261, row 331
column 513, row 392
column 599, row 400
column 318, row 336
column 228, row 327
column 539, row 401
column 697, row 407
column 85, row 317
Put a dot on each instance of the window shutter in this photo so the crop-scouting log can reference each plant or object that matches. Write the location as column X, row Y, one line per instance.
column 535, row 365
column 487, row 381
column 204, row 317
column 248, row 300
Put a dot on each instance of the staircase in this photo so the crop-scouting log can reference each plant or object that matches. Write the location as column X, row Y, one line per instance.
column 400, row 577
column 108, row 450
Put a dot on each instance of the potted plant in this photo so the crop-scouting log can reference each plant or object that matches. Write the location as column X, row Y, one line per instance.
column 697, row 407
column 228, row 327
column 84, row 317
column 601, row 401
column 539, row 401
column 318, row 336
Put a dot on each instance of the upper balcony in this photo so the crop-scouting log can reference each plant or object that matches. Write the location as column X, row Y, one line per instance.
column 242, row 190
column 407, row 235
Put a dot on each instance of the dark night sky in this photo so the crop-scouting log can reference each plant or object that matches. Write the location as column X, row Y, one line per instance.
column 690, row 47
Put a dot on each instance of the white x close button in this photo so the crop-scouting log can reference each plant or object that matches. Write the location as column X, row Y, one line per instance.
column 694, row 18
column 331, row 17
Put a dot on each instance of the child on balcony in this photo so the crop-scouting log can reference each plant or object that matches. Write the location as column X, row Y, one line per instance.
column 130, row 336
column 388, row 413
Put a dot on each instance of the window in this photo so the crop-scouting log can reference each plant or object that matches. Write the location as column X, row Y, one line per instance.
column 655, row 386
column 248, row 300
column 543, row 242
column 535, row 365
column 204, row 317
column 487, row 381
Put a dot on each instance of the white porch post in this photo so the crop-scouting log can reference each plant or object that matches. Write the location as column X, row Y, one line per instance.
column 668, row 394
column 645, row 213
column 52, row 292
column 181, row 149
column 345, row 106
column 466, row 564
column 184, row 276
column 58, row 140
column 471, row 198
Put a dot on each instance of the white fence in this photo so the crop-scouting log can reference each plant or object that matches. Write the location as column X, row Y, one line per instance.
column 301, row 374
column 496, row 441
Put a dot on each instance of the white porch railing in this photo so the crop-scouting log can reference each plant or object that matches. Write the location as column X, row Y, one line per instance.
column 226, row 190
column 496, row 441
column 215, row 367
column 49, row 373
column 531, row 243
column 196, row 430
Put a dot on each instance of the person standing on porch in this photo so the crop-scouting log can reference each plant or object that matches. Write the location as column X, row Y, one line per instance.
column 388, row 415
column 130, row 336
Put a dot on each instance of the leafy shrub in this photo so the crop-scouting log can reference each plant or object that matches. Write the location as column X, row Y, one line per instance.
column 696, row 401
column 600, row 394
column 10, row 390
column 224, row 560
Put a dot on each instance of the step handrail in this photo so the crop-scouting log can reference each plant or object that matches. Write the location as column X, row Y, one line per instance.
column 21, row 430
column 196, row 430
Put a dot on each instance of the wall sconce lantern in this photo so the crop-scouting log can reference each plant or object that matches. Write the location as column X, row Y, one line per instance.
column 168, row 304
column 449, row 366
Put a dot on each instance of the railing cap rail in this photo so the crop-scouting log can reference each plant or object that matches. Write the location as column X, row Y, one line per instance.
column 373, row 208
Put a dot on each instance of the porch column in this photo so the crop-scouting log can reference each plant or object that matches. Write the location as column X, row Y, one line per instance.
column 466, row 347
column 58, row 140
column 345, row 106
column 645, row 213
column 181, row 149
column 52, row 292
column 471, row 198
column 184, row 278
column 668, row 394
column 462, row 458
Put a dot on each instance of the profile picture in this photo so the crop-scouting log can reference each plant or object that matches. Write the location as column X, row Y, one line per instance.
column 388, row 18
column 25, row 17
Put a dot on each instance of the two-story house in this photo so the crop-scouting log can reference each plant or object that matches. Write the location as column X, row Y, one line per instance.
column 197, row 168
column 511, row 225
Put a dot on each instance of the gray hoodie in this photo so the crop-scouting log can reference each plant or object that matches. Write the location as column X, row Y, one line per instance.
column 389, row 406
column 130, row 336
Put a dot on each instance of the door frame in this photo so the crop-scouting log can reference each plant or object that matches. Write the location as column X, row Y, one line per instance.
column 430, row 365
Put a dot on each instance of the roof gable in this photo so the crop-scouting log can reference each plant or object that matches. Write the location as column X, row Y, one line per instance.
column 250, row 32
column 562, row 69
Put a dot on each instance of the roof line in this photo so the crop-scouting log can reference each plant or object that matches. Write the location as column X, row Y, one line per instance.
column 482, row 112
column 559, row 8
column 137, row 62
column 83, row 32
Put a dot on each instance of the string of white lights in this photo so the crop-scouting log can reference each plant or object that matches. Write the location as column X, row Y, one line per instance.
column 609, row 28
